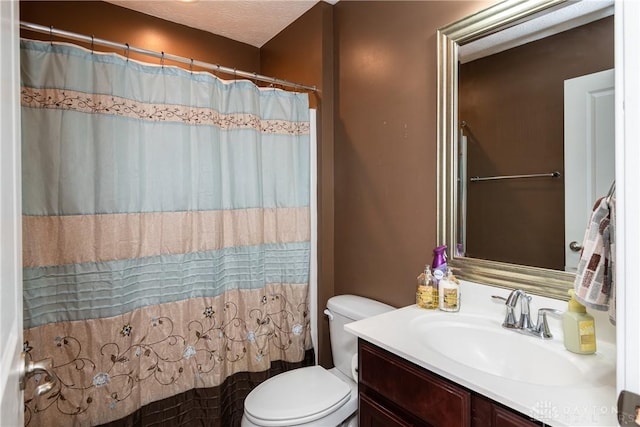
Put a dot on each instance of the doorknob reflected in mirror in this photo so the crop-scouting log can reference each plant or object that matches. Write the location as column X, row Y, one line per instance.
column 575, row 246
column 29, row 368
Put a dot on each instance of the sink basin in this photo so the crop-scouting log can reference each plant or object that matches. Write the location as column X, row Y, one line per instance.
column 484, row 345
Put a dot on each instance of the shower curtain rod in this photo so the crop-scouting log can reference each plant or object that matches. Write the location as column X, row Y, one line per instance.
column 161, row 55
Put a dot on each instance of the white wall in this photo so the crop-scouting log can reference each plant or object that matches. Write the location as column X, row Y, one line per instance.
column 627, row 17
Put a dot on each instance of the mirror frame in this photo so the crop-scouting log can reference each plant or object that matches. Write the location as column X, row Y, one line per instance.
column 534, row 280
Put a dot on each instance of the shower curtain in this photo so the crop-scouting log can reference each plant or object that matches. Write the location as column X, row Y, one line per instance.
column 166, row 237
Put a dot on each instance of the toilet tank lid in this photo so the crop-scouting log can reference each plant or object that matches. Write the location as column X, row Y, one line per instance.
column 355, row 307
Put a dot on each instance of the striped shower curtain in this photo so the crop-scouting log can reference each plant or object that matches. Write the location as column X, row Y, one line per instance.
column 166, row 234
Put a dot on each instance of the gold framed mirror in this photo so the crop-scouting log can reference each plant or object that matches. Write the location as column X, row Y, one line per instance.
column 507, row 14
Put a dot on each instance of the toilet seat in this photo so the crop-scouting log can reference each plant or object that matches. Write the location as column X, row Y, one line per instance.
column 296, row 397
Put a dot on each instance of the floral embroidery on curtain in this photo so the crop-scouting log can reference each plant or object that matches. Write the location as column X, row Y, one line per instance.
column 166, row 232
column 105, row 104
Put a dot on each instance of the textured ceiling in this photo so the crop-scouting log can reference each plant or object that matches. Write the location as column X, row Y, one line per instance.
column 254, row 22
column 569, row 15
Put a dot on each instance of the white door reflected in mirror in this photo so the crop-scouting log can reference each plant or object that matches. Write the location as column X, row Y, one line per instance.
column 589, row 153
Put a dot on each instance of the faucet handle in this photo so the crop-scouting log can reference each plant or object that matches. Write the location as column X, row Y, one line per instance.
column 512, row 299
column 542, row 327
column 497, row 298
column 509, row 318
column 525, row 316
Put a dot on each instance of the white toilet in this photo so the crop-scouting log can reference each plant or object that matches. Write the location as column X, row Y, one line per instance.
column 315, row 396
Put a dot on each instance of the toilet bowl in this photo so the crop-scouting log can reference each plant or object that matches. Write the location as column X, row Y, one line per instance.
column 315, row 396
column 311, row 396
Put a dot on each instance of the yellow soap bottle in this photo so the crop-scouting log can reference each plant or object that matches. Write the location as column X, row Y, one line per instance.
column 427, row 292
column 579, row 328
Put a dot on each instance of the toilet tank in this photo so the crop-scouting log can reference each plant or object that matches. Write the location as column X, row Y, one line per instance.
column 345, row 309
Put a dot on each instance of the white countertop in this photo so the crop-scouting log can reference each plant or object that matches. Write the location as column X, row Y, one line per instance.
column 581, row 403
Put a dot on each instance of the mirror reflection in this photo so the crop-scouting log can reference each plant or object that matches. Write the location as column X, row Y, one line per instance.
column 518, row 177
column 503, row 78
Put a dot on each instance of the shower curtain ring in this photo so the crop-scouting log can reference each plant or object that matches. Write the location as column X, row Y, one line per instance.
column 126, row 52
column 92, row 44
column 191, row 66
column 162, row 60
column 51, row 34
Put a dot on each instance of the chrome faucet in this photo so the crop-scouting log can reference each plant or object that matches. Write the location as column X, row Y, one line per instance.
column 523, row 324
column 512, row 301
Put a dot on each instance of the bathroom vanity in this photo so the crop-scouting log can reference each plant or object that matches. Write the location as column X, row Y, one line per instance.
column 431, row 368
column 394, row 392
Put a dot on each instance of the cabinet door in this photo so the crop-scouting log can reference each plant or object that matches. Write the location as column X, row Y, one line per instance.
column 486, row 413
column 431, row 399
column 505, row 418
column 374, row 415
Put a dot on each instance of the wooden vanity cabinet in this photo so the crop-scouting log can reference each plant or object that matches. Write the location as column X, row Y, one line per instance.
column 485, row 412
column 394, row 392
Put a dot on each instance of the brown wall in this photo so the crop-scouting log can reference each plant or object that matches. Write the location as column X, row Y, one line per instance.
column 385, row 146
column 107, row 21
column 513, row 103
column 376, row 156
column 303, row 52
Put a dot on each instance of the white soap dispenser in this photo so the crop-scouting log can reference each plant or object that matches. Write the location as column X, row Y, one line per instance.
column 449, row 292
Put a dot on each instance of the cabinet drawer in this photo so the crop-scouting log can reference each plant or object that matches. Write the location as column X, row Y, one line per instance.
column 425, row 395
column 374, row 415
